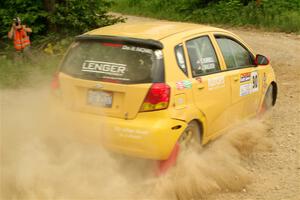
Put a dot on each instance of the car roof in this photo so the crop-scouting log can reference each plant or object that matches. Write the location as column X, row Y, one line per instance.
column 156, row 30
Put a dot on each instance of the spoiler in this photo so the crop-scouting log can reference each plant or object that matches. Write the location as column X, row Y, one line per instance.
column 147, row 43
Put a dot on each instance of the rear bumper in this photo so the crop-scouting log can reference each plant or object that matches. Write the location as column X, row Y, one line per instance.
column 150, row 135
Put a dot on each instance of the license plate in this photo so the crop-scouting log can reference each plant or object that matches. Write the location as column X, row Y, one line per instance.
column 99, row 98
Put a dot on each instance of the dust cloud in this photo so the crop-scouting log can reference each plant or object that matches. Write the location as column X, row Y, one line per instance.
column 41, row 158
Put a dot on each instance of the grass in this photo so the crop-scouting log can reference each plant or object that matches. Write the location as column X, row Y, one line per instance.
column 47, row 53
column 23, row 73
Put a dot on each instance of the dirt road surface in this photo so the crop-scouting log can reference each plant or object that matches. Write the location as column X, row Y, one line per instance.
column 40, row 161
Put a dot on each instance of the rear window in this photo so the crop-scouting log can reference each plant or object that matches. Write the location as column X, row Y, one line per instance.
column 111, row 62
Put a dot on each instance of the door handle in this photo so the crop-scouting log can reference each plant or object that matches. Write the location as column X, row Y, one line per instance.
column 235, row 78
column 200, row 86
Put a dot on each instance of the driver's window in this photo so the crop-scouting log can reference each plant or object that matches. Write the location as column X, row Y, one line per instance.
column 235, row 55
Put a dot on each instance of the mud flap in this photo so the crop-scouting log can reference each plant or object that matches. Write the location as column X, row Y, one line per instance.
column 165, row 165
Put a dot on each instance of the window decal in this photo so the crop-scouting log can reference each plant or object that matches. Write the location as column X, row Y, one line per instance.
column 113, row 69
column 206, row 64
column 138, row 49
column 109, row 62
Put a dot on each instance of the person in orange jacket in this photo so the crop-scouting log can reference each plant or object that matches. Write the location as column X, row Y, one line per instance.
column 20, row 35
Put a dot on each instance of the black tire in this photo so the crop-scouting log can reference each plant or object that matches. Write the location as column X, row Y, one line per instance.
column 191, row 135
column 268, row 100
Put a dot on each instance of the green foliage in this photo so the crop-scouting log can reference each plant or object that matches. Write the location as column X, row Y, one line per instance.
column 80, row 16
column 29, row 11
column 21, row 71
column 56, row 16
column 54, row 23
column 279, row 15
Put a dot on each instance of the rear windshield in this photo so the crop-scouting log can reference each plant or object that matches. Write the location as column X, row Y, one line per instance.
column 111, row 62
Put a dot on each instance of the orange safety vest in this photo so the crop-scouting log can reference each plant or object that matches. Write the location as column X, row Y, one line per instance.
column 21, row 39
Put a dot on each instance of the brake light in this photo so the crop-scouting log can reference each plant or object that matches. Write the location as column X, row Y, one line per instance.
column 157, row 98
column 55, row 82
column 111, row 44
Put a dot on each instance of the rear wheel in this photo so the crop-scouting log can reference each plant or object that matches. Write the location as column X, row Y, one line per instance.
column 190, row 137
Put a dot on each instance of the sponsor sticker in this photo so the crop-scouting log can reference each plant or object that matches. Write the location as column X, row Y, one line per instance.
column 245, row 89
column 244, row 77
column 185, row 84
column 138, row 49
column 114, row 69
column 216, row 82
column 254, row 76
column 137, row 134
column 248, row 88
column 179, row 85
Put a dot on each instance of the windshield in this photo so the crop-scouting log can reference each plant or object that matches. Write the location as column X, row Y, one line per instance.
column 111, row 62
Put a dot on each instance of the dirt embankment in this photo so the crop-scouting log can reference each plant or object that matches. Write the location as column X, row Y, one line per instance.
column 259, row 160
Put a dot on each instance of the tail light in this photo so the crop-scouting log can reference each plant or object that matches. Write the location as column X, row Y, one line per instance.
column 157, row 98
column 111, row 44
column 55, row 82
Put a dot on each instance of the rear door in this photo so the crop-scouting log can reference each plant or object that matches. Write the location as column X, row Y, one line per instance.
column 211, row 89
column 244, row 76
column 109, row 78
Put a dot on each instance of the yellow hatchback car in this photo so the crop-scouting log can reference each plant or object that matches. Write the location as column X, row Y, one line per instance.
column 146, row 87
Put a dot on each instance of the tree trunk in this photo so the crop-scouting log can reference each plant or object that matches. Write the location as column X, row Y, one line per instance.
column 258, row 2
column 49, row 6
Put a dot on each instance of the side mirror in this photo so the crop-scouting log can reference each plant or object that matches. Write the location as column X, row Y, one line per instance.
column 261, row 60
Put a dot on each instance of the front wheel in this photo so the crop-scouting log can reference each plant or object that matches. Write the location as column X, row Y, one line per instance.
column 268, row 100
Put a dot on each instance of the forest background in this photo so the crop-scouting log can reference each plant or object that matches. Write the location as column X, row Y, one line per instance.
column 56, row 22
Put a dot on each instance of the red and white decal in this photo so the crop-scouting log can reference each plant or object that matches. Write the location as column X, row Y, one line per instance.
column 180, row 85
column 245, row 77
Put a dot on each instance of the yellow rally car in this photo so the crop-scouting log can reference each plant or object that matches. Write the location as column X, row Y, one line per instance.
column 146, row 87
